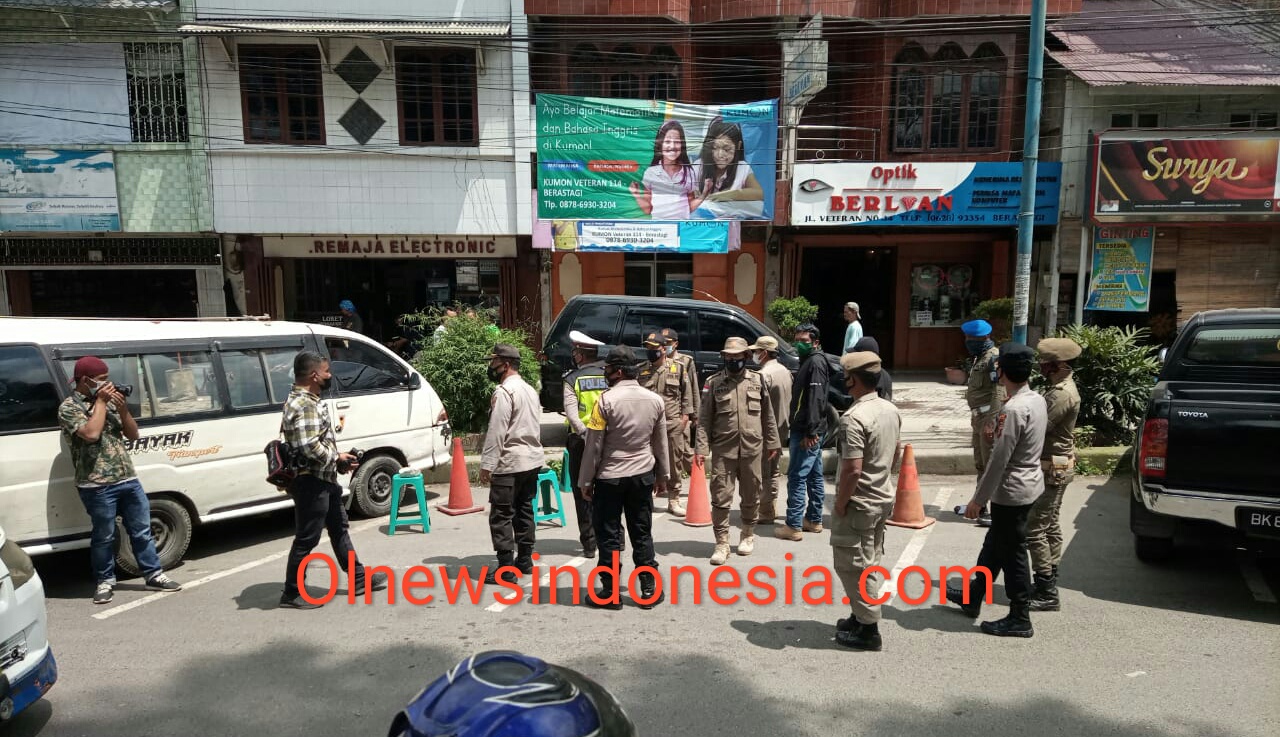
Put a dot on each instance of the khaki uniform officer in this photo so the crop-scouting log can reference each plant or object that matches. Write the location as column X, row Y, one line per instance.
column 668, row 379
column 738, row 431
column 1044, row 534
column 778, row 383
column 984, row 396
column 624, row 462
column 864, row 497
column 691, row 368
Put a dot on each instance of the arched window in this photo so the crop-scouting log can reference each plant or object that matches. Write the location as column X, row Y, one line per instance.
column 664, row 74
column 584, row 75
column 950, row 102
column 625, row 79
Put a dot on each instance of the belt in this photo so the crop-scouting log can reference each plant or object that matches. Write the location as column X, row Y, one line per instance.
column 981, row 410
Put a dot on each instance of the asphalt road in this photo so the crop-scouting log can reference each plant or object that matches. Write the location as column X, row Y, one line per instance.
column 1188, row 649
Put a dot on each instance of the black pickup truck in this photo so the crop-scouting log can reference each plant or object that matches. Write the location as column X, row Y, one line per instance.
column 1208, row 453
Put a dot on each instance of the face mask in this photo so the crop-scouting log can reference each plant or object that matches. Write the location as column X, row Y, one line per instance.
column 613, row 378
column 671, row 350
column 735, row 365
column 495, row 373
column 975, row 347
column 654, row 354
column 759, row 358
column 803, row 349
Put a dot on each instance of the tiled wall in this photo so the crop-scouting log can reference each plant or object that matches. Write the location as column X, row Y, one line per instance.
column 162, row 192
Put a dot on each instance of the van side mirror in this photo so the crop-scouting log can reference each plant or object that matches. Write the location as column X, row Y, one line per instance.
column 415, row 382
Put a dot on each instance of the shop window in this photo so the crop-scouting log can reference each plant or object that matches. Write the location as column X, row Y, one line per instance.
column 647, row 275
column 598, row 320
column 942, row 295
column 28, row 395
column 626, row 71
column 282, row 96
column 1253, row 120
column 950, row 102
column 157, row 92
column 358, row 367
column 165, row 385
column 436, row 92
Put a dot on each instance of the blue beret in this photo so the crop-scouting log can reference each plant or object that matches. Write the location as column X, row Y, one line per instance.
column 977, row 328
column 347, row 305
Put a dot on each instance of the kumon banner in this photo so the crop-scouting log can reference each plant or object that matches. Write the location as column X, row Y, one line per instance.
column 1174, row 177
column 1121, row 280
column 613, row 159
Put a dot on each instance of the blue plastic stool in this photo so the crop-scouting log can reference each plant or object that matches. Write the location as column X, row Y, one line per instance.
column 398, row 482
column 549, row 481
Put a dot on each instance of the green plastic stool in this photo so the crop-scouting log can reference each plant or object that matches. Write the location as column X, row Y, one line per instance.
column 549, row 481
column 398, row 482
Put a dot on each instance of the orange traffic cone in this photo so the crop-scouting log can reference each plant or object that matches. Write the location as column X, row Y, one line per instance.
column 459, row 486
column 908, row 510
column 698, row 511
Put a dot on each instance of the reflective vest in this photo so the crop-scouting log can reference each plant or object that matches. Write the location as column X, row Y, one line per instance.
column 587, row 384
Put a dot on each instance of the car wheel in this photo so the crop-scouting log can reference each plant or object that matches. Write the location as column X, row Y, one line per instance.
column 1153, row 550
column 170, row 529
column 371, row 485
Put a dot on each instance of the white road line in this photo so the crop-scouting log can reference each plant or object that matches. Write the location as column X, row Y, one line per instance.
column 498, row 606
column 113, row 611
column 1253, row 578
column 914, row 546
column 1136, row 673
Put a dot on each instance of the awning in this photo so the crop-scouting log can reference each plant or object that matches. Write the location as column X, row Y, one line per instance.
column 448, row 29
column 165, row 5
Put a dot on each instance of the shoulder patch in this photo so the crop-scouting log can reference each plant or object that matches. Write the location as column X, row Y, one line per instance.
column 1000, row 424
column 596, row 420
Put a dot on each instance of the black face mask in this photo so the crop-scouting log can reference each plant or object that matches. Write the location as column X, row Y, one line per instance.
column 613, row 377
column 655, row 354
column 735, row 365
column 495, row 373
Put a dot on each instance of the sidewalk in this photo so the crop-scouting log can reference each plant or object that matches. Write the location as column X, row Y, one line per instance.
column 935, row 422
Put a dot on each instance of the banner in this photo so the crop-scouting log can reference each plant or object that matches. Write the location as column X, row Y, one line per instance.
column 1121, row 279
column 613, row 159
column 630, row 236
column 1172, row 178
column 58, row 190
column 945, row 194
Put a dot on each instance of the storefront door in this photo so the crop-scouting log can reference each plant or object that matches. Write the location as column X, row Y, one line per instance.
column 831, row 276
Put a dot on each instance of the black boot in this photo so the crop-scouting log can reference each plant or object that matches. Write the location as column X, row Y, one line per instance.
column 1016, row 624
column 524, row 561
column 647, row 587
column 505, row 558
column 865, row 637
column 955, row 595
column 1045, row 598
column 605, row 594
column 847, row 625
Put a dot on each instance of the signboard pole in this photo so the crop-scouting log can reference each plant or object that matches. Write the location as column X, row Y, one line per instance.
column 804, row 75
column 1030, row 154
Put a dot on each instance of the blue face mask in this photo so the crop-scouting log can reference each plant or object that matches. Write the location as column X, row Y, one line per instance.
column 975, row 347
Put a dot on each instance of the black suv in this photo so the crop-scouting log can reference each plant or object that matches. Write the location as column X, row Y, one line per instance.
column 615, row 320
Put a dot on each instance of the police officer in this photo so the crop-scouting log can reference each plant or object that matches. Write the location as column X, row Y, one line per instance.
column 582, row 387
column 624, row 463
column 778, row 384
column 864, row 496
column 1011, row 483
column 738, row 431
column 984, row 395
column 1044, row 535
column 691, row 369
column 670, row 380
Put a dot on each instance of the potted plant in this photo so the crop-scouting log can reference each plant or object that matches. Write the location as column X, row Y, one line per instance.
column 958, row 371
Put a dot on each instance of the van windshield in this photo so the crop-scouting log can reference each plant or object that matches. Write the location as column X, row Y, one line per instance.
column 1236, row 346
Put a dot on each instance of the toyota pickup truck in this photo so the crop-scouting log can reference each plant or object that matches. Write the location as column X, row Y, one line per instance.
column 1208, row 452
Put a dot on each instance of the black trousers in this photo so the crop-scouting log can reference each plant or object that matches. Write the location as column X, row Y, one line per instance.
column 317, row 506
column 1005, row 549
column 511, row 510
column 631, row 496
column 586, row 530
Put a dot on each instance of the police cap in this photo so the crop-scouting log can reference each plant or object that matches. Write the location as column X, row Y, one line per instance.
column 860, row 361
column 505, row 351
column 671, row 335
column 1017, row 355
column 583, row 340
column 656, row 340
column 1058, row 349
column 621, row 356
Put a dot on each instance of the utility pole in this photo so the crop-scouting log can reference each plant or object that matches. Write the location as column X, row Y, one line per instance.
column 1030, row 156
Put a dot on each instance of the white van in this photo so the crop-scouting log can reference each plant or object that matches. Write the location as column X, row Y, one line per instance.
column 207, row 396
column 26, row 659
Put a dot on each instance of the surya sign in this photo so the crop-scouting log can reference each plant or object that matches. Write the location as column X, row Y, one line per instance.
column 1170, row 176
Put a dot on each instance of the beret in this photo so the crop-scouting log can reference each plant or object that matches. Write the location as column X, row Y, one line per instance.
column 976, row 328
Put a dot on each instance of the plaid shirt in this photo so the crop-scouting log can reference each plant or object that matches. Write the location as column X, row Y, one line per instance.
column 309, row 433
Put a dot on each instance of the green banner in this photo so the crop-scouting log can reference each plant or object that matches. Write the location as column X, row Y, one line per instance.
column 1121, row 268
column 615, row 159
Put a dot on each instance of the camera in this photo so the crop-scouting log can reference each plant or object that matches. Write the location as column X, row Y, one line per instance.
column 125, row 390
column 344, row 467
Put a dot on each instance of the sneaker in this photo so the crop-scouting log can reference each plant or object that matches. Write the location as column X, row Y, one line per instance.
column 984, row 519
column 808, row 526
column 376, row 582
column 297, row 602
column 162, row 582
column 104, row 592
column 785, row 532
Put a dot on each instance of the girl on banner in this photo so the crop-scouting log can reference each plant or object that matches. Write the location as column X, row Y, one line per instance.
column 727, row 188
column 668, row 183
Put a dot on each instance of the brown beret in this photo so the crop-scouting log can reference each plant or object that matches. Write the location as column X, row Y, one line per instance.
column 1058, row 349
column 860, row 361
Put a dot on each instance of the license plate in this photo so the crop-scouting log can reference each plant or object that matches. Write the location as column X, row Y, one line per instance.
column 1259, row 522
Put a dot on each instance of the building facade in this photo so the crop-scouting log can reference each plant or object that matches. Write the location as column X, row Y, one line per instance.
column 104, row 204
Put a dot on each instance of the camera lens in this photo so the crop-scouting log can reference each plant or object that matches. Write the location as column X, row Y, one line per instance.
column 125, row 389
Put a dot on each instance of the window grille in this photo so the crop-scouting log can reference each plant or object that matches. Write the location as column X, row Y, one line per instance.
column 157, row 92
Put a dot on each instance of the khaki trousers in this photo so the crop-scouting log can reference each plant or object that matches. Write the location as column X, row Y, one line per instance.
column 981, row 443
column 1044, row 533
column 857, row 543
column 725, row 473
column 677, row 442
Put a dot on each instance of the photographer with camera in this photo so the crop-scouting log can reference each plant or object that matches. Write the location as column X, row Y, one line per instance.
column 317, row 497
column 95, row 421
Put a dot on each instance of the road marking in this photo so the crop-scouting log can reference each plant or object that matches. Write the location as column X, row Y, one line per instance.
column 1136, row 673
column 1253, row 578
column 498, row 606
column 113, row 611
column 914, row 546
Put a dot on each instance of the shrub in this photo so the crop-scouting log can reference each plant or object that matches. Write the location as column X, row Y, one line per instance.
column 998, row 312
column 1114, row 374
column 455, row 363
column 787, row 314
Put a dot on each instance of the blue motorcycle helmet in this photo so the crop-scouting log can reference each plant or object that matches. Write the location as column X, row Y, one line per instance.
column 500, row 693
